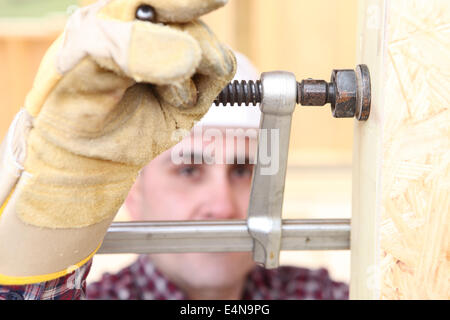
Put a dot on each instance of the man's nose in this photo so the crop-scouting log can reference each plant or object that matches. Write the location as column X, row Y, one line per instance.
column 222, row 203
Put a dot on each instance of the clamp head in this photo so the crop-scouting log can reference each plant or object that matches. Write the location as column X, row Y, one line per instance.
column 348, row 93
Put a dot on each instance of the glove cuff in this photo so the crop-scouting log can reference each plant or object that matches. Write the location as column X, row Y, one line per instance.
column 20, row 281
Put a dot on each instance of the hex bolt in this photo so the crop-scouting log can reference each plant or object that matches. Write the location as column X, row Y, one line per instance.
column 313, row 93
column 348, row 92
column 343, row 104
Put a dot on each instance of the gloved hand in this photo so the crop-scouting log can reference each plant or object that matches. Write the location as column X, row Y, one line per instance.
column 108, row 96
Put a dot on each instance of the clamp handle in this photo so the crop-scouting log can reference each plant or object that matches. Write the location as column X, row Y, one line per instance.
column 266, row 199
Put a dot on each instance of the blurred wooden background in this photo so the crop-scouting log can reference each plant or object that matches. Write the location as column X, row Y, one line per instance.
column 309, row 38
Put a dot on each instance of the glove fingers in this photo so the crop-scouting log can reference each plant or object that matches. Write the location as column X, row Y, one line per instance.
column 161, row 54
column 209, row 88
column 148, row 52
column 145, row 51
column 217, row 60
column 182, row 95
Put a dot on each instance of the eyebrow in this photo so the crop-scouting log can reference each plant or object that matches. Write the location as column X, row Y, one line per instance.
column 246, row 159
column 192, row 157
column 199, row 158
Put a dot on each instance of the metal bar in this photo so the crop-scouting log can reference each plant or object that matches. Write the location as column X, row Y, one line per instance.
column 221, row 236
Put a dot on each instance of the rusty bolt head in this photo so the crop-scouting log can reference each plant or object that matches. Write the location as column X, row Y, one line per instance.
column 344, row 101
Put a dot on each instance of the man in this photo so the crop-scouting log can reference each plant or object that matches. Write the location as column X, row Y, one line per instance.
column 218, row 189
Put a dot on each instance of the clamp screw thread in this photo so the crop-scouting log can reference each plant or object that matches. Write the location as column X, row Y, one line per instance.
column 244, row 92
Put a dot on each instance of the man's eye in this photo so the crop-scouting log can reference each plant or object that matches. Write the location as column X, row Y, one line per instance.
column 189, row 171
column 243, row 171
column 146, row 13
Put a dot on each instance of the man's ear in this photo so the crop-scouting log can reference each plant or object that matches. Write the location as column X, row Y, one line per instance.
column 135, row 200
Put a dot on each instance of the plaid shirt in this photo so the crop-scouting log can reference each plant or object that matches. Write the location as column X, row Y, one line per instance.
column 70, row 287
column 142, row 281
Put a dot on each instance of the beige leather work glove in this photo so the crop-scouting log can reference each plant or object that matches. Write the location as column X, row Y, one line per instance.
column 108, row 96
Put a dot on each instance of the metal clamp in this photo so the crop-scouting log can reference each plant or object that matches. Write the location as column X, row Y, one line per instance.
column 349, row 94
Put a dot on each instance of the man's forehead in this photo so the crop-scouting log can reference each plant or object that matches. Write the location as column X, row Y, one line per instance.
column 222, row 144
column 220, row 137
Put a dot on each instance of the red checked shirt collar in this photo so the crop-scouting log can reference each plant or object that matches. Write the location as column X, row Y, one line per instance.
column 142, row 280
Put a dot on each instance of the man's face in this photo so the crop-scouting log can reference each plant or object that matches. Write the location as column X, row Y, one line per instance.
column 169, row 190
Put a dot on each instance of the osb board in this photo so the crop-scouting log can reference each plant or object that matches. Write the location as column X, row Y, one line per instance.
column 409, row 225
column 415, row 219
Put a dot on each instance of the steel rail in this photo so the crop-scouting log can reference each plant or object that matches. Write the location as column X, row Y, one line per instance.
column 221, row 236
